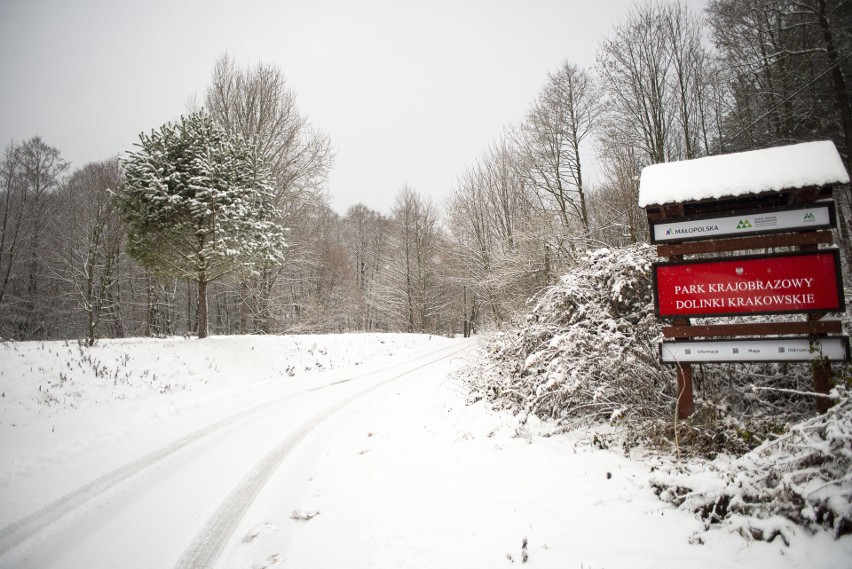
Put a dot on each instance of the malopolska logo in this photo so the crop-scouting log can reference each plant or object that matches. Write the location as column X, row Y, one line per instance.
column 809, row 218
column 744, row 224
column 691, row 230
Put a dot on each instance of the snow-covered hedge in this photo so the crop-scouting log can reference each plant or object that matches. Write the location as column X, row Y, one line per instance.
column 587, row 350
column 802, row 477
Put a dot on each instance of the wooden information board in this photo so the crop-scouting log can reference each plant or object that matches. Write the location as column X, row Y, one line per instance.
column 805, row 279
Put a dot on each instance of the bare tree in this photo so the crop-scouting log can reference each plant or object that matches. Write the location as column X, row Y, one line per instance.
column 32, row 172
column 653, row 66
column 490, row 219
column 616, row 215
column 257, row 105
column 565, row 114
column 411, row 297
column 14, row 202
column 331, row 300
column 634, row 64
column 689, row 61
column 91, row 240
column 365, row 233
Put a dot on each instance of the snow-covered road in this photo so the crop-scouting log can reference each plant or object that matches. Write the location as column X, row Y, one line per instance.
column 179, row 504
column 352, row 452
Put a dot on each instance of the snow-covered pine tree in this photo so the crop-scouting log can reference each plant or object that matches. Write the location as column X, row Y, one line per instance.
column 198, row 204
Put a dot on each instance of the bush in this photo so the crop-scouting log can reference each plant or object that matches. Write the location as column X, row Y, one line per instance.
column 588, row 349
column 802, row 477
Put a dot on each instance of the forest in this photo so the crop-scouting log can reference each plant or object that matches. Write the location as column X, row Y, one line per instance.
column 668, row 84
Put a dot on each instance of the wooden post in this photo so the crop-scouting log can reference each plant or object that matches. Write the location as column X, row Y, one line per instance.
column 822, row 374
column 821, row 368
column 822, row 384
column 685, row 402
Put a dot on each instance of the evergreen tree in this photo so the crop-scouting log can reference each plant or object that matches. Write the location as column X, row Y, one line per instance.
column 199, row 205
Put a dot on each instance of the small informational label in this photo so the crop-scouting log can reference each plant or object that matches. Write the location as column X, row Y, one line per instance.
column 836, row 349
column 807, row 218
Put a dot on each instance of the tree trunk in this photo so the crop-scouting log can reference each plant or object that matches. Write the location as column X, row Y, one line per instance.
column 840, row 91
column 202, row 305
column 244, row 306
column 149, row 320
column 465, row 317
column 266, row 278
column 89, row 302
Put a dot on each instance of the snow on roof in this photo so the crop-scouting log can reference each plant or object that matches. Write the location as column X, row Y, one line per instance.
column 743, row 173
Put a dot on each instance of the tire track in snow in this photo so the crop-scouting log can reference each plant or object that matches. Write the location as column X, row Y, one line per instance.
column 211, row 540
column 17, row 532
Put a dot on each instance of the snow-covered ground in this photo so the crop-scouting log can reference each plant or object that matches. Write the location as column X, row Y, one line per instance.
column 317, row 451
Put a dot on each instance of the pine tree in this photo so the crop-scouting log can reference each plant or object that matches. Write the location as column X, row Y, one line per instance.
column 198, row 204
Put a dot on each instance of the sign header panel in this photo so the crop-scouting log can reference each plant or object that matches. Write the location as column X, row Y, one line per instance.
column 820, row 215
column 766, row 284
column 749, row 350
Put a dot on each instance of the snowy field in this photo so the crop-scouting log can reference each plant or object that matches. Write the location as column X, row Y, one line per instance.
column 350, row 451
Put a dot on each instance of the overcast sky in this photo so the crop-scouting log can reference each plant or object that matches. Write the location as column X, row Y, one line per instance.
column 410, row 92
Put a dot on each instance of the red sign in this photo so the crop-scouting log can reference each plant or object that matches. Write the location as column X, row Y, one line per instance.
column 768, row 284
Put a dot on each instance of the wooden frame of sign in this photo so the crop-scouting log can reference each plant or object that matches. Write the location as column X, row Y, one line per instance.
column 766, row 220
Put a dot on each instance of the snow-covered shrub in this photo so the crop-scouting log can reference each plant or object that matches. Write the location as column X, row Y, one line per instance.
column 587, row 350
column 802, row 477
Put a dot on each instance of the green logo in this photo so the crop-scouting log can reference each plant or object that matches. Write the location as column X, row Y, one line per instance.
column 809, row 217
column 744, row 224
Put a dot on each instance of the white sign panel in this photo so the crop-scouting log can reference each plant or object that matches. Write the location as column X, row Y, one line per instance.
column 816, row 216
column 755, row 350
